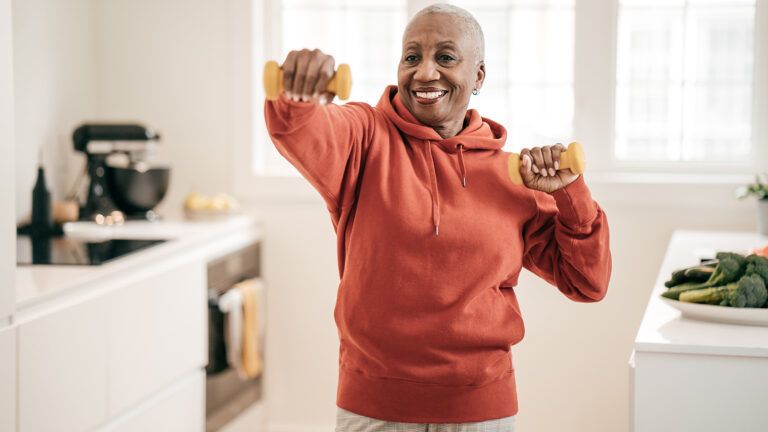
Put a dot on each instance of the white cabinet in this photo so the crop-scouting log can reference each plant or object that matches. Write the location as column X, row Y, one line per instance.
column 63, row 369
column 180, row 408
column 121, row 347
column 688, row 375
column 8, row 379
column 91, row 362
column 157, row 329
column 699, row 393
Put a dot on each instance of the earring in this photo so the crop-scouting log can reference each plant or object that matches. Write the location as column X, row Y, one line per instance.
column 475, row 92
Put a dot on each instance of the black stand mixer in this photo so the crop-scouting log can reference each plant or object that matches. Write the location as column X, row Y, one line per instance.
column 118, row 193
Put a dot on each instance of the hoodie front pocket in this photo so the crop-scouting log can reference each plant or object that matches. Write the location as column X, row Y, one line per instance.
column 464, row 345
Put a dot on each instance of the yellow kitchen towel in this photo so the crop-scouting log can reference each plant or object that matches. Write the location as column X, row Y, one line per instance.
column 251, row 357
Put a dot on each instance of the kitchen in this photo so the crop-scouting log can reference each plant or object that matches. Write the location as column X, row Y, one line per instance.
column 191, row 71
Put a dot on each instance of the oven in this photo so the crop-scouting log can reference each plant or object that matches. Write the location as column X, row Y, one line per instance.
column 228, row 395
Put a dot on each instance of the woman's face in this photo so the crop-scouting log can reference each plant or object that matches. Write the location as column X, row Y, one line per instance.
column 438, row 70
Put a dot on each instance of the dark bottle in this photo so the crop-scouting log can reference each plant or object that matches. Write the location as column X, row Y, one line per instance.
column 42, row 217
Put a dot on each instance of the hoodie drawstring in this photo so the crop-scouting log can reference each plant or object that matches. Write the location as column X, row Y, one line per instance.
column 433, row 182
column 479, row 134
column 461, row 165
column 433, row 189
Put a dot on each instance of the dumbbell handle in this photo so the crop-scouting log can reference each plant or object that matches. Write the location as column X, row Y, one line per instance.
column 340, row 84
column 572, row 158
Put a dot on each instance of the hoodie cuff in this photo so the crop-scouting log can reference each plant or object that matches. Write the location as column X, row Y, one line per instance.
column 287, row 108
column 574, row 204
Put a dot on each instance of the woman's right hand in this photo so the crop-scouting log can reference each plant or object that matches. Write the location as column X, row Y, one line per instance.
column 306, row 74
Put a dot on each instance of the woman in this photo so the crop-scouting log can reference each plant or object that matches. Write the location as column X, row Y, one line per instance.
column 432, row 234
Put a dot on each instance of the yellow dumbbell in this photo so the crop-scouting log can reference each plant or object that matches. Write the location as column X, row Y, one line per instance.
column 340, row 84
column 572, row 158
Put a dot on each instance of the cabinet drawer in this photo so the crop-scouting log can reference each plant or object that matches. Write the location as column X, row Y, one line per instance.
column 176, row 409
column 157, row 333
column 63, row 369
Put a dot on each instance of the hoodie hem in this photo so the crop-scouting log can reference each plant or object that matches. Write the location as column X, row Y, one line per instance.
column 397, row 400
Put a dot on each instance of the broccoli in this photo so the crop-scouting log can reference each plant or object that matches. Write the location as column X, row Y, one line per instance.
column 758, row 265
column 740, row 259
column 749, row 291
column 729, row 268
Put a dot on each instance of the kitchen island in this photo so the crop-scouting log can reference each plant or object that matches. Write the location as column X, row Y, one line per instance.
column 690, row 375
column 122, row 346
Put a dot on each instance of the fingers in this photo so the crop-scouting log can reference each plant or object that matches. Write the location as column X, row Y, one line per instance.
column 316, row 61
column 557, row 149
column 526, row 163
column 538, row 162
column 549, row 165
column 306, row 74
column 544, row 161
column 289, row 71
column 324, row 76
column 302, row 62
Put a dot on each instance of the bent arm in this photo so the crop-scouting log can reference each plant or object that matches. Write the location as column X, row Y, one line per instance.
column 567, row 242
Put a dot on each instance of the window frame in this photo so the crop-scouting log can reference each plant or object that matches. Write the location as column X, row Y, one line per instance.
column 595, row 40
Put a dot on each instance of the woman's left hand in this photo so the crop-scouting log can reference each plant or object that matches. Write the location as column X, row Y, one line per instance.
column 539, row 169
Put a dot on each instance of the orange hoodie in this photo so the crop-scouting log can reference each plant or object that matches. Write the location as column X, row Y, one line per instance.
column 431, row 238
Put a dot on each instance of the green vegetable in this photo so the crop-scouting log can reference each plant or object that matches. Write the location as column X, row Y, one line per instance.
column 741, row 259
column 730, row 267
column 674, row 292
column 699, row 273
column 749, row 291
column 758, row 265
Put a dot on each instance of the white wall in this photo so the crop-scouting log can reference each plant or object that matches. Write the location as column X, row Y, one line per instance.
column 55, row 89
column 167, row 64
column 7, row 192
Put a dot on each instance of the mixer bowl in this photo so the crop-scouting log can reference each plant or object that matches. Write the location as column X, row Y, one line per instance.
column 137, row 191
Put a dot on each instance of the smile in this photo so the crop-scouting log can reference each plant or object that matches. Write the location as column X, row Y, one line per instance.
column 429, row 97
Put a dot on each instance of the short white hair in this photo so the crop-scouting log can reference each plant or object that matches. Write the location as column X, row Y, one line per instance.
column 465, row 18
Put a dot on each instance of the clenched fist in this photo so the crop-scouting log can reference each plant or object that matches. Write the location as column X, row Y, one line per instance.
column 306, row 74
column 539, row 169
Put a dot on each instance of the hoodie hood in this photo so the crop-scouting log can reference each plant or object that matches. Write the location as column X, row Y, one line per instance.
column 479, row 134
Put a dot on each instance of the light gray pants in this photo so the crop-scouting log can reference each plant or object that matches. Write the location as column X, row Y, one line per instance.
column 347, row 421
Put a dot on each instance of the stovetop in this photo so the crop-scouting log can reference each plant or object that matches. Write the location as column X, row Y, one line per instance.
column 64, row 250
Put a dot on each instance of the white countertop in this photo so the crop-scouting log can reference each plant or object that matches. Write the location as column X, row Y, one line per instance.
column 187, row 239
column 663, row 329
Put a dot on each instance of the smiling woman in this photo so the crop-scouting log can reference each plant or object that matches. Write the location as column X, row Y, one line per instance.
column 442, row 64
column 427, row 316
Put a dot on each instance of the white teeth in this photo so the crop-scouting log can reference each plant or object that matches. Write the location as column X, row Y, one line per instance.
column 430, row 95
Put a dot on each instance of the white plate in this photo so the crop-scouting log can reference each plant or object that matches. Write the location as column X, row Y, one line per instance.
column 722, row 314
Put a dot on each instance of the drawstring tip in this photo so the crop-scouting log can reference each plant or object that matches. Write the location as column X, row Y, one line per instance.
column 464, row 181
column 436, row 231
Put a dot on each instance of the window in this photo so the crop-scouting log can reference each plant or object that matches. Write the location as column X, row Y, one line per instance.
column 364, row 34
column 670, row 87
column 529, row 68
column 684, row 80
